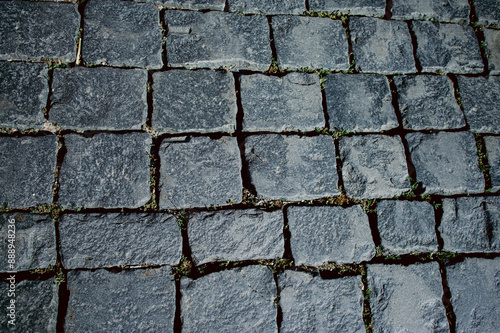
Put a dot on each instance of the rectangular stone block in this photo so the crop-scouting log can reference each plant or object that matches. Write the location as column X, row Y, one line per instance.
column 456, row 11
column 193, row 4
column 493, row 152
column 351, row 7
column 488, row 12
column 492, row 46
column 269, row 7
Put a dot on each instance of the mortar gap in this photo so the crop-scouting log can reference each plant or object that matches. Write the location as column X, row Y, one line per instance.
column 414, row 44
column 373, row 221
column 306, row 3
column 149, row 99
column 50, row 80
column 274, row 53
column 81, row 10
column 277, row 303
column 325, row 106
column 287, row 235
column 164, row 32
column 446, row 299
column 226, row 6
column 350, row 50
column 62, row 309
column 177, row 317
column 478, row 30
column 239, row 106
column 483, row 161
column 438, row 215
column 339, row 166
column 367, row 312
column 154, row 185
column 388, row 10
column 60, row 154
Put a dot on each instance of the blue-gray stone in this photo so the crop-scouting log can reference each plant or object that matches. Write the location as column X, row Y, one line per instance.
column 456, row 11
column 350, row 7
column 269, row 7
column 492, row 144
column 192, row 4
column 488, row 12
column 492, row 50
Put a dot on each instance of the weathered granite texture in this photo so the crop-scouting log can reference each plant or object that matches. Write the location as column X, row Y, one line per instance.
column 492, row 144
column 439, row 10
column 269, row 7
column 488, row 12
column 192, row 4
column 351, row 7
column 492, row 47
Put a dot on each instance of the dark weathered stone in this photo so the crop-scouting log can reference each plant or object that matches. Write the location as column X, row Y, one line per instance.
column 292, row 167
column 446, row 163
column 321, row 234
column 493, row 152
column 492, row 47
column 488, row 12
column 106, row 170
column 99, row 98
column 440, row 10
column 276, row 104
column 310, row 42
column 192, row 4
column 270, row 7
column 359, row 103
column 122, row 33
column 199, row 172
column 351, row 7
column 194, row 101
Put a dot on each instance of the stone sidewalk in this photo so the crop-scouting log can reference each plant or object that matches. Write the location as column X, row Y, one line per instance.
column 250, row 166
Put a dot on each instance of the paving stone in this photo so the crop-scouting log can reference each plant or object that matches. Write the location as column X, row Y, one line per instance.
column 313, row 304
column 99, row 98
column 488, row 12
column 373, row 166
column 27, row 167
column 449, row 48
column 99, row 240
column 273, row 7
column 348, row 111
column 475, row 294
column 381, row 46
column 310, row 42
column 138, row 300
column 36, row 306
column 492, row 144
column 199, row 172
column 332, row 233
column 481, row 102
column 23, row 94
column 351, row 7
column 446, row 163
column 106, row 170
column 235, row 235
column 122, row 33
column 407, row 298
column 26, row 33
column 193, row 4
column 441, row 10
column 236, row 300
column 406, row 226
column 292, row 167
column 492, row 47
column 217, row 39
column 194, row 101
column 428, row 102
column 289, row 103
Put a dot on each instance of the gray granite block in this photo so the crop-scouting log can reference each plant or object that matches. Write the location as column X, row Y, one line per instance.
column 236, row 300
column 351, row 7
column 292, row 167
column 449, row 48
column 122, row 33
column 310, row 42
column 475, row 294
column 481, row 102
column 270, row 7
column 99, row 98
column 27, row 33
column 446, row 163
column 381, row 46
column 407, row 298
column 359, row 103
column 23, row 94
column 114, row 239
column 27, row 166
column 436, row 10
column 492, row 144
column 289, row 103
column 235, row 235
column 105, row 170
column 192, row 4
column 138, row 300
column 492, row 39
column 194, row 101
column 313, row 304
column 199, row 172
column 428, row 102
column 471, row 224
column 332, row 233
column 373, row 166
column 406, row 226
column 217, row 40
column 488, row 12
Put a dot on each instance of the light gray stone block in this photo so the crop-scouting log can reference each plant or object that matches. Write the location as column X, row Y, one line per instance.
column 270, row 7
column 351, row 7
column 456, row 11
column 193, row 4
column 493, row 151
column 492, row 39
column 488, row 12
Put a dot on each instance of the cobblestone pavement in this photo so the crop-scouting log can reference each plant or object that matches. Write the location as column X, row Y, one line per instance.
column 250, row 166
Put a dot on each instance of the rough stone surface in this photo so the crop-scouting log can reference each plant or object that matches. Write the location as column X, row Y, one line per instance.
column 217, row 39
column 122, row 33
column 471, row 224
column 492, row 47
column 446, row 163
column 106, row 170
column 272, row 7
column 381, row 46
column 194, row 101
column 100, row 240
column 406, row 226
column 291, row 167
column 199, row 172
column 407, row 299
column 276, row 104
column 321, row 234
column 27, row 33
column 428, row 102
column 139, row 300
column 475, row 294
column 235, row 235
column 449, row 48
column 23, row 94
column 193, row 4
column 236, row 300
column 347, row 111
column 373, row 166
column 310, row 42
column 441, row 10
column 488, row 12
column 493, row 151
column 481, row 102
column 27, row 167
column 351, row 7
column 99, row 98
column 313, row 304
